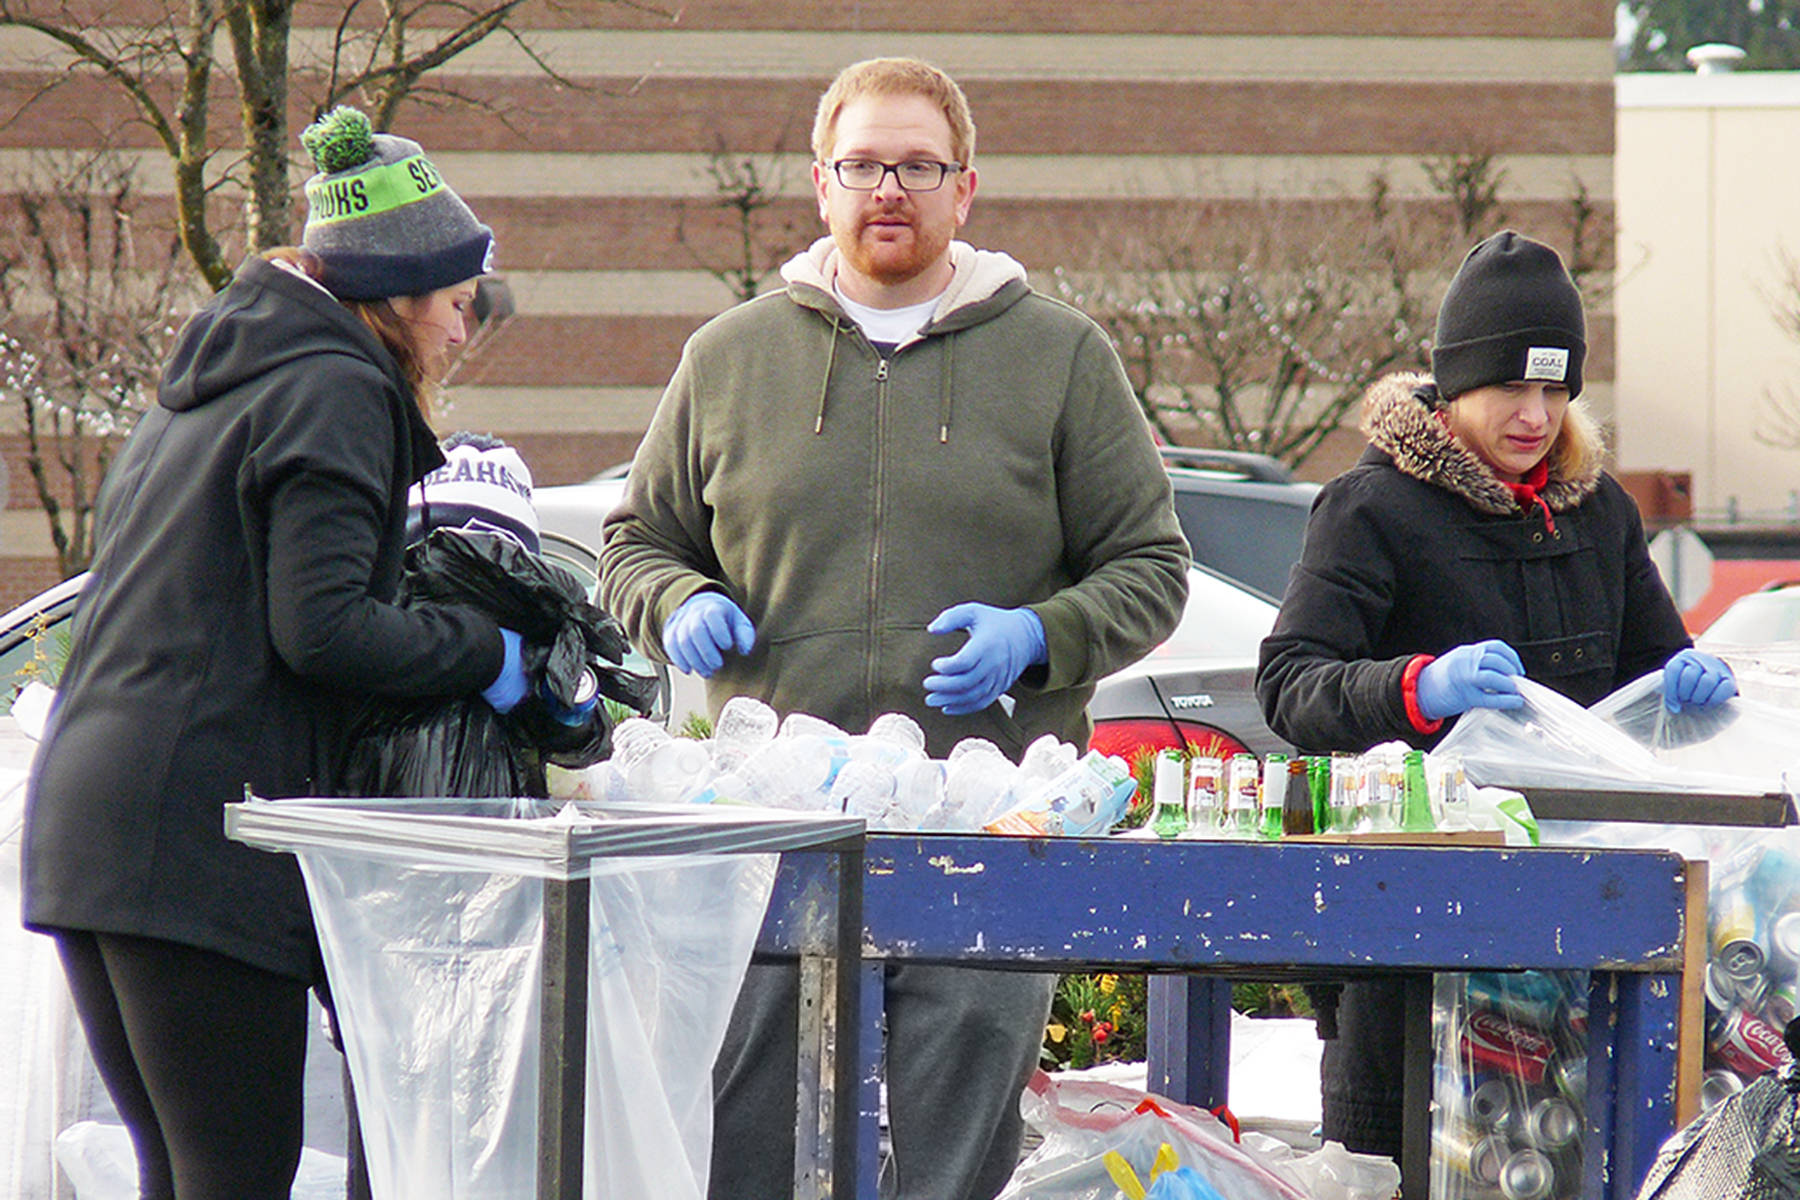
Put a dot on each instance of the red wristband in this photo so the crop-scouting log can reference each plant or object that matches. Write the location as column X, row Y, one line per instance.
column 1409, row 692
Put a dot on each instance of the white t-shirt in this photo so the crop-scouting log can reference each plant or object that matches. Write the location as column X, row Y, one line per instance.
column 888, row 326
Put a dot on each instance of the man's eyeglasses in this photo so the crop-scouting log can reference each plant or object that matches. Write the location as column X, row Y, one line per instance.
column 914, row 175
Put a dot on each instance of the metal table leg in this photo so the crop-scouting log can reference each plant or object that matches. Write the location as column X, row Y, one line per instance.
column 562, row 1044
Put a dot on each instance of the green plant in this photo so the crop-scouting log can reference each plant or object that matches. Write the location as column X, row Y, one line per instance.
column 1095, row 1018
column 49, row 654
column 1271, row 1000
column 695, row 725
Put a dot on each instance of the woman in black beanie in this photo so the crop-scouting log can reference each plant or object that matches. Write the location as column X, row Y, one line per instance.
column 1475, row 541
column 240, row 606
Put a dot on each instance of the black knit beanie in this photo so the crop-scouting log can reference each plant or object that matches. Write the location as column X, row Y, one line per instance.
column 380, row 217
column 1512, row 312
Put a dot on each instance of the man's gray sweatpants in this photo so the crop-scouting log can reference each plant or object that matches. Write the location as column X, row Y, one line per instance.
column 961, row 1043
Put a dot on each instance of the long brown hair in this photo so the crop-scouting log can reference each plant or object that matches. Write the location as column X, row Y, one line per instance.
column 382, row 320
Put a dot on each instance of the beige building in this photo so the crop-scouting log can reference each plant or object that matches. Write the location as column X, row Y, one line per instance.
column 1708, row 172
column 1095, row 119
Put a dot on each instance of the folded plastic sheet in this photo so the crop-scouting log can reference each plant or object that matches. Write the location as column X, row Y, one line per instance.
column 430, row 914
column 1628, row 741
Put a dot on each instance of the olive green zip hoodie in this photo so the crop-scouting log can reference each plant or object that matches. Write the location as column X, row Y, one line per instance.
column 844, row 499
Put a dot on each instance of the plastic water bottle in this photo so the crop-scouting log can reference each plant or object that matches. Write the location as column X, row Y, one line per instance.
column 1090, row 796
column 745, row 724
column 898, row 728
column 918, row 788
column 670, row 771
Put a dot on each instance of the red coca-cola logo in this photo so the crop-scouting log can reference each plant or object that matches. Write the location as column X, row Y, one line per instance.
column 1753, row 1044
column 1497, row 1032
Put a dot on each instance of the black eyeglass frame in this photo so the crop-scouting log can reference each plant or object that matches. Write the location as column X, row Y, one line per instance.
column 944, row 169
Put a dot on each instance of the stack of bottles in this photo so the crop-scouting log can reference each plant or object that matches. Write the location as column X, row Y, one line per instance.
column 1390, row 788
column 1510, row 1089
column 882, row 775
column 1753, row 969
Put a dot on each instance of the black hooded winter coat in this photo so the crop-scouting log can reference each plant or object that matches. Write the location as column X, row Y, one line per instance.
column 250, row 542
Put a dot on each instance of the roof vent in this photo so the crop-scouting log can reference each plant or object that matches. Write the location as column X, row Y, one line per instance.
column 1714, row 58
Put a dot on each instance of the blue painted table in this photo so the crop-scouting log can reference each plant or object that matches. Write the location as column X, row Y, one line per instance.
column 1210, row 912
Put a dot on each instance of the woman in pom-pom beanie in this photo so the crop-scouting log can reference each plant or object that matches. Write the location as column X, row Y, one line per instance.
column 250, row 542
column 1475, row 541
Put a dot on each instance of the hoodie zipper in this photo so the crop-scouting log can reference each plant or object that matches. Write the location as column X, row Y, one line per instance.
column 872, row 669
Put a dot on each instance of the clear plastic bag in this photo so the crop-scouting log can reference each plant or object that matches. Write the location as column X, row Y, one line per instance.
column 1097, row 1134
column 1628, row 741
column 431, row 914
column 1510, row 1085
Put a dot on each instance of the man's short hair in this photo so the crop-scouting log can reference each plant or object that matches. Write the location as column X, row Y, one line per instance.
column 895, row 77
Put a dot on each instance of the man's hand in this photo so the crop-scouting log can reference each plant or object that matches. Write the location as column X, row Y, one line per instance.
column 1002, row 643
column 707, row 624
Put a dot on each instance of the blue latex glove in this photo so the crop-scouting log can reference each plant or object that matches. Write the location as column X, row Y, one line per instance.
column 707, row 624
column 1479, row 675
column 1002, row 643
column 1696, row 680
column 510, row 686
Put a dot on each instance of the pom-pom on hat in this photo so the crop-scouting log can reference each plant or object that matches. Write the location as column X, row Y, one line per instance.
column 380, row 217
column 483, row 486
column 1511, row 313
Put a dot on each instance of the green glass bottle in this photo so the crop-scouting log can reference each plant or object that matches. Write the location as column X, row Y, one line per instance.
column 1415, row 808
column 1272, row 796
column 1318, row 779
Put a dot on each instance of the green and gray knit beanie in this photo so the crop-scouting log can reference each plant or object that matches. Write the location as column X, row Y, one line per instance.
column 380, row 217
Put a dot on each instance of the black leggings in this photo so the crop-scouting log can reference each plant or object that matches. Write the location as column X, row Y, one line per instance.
column 204, row 1057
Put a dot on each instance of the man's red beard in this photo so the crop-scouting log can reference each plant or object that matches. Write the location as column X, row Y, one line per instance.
column 892, row 258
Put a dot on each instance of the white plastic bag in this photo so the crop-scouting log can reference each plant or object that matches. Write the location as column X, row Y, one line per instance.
column 1083, row 1122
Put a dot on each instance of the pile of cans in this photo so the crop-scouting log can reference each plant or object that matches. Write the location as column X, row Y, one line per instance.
column 1511, row 1085
column 1753, row 970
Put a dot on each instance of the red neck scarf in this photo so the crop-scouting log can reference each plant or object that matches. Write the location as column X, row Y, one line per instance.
column 1527, row 489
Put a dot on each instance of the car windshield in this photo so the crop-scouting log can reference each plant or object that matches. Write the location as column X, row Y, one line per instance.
column 1221, row 620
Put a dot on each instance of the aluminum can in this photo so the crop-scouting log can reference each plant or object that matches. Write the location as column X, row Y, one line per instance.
column 1747, row 1044
column 1717, row 1085
column 1784, row 942
column 1782, row 1003
column 1490, row 1040
column 1526, row 1175
column 1491, row 1102
column 1525, row 998
column 1569, row 1073
column 1470, row 1152
column 1737, row 937
column 1551, row 1124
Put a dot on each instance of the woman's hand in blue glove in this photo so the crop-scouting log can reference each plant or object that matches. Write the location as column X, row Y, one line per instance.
column 698, row 634
column 509, row 687
column 1479, row 675
column 1002, row 643
column 1693, row 679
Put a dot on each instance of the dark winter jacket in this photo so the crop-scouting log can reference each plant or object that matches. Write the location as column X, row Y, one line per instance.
column 1420, row 548
column 844, row 497
column 250, row 540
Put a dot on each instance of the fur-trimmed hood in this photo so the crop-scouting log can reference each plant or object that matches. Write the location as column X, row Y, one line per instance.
column 1397, row 419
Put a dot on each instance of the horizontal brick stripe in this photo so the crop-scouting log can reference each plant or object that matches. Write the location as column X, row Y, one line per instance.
column 1440, row 18
column 23, row 577
column 701, row 116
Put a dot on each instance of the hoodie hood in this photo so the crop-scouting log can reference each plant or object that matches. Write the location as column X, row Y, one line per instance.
column 985, row 282
column 1398, row 419
column 264, row 320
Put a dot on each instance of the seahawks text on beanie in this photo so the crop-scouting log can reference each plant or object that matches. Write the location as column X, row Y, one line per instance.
column 380, row 217
column 1512, row 313
column 484, row 486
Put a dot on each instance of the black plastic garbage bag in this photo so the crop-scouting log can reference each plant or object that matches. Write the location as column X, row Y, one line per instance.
column 1745, row 1148
column 462, row 747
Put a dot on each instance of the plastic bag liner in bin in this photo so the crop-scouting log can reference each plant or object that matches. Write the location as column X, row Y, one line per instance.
column 430, row 914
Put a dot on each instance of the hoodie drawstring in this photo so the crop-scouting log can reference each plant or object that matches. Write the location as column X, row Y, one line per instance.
column 825, row 382
column 945, row 377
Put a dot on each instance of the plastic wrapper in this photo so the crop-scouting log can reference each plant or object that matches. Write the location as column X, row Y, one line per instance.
column 1099, row 1138
column 430, row 915
column 461, row 746
column 1629, row 741
column 1510, row 1085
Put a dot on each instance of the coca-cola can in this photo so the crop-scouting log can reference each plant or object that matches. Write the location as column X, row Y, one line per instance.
column 1526, row 1175
column 1748, row 1044
column 1490, row 1040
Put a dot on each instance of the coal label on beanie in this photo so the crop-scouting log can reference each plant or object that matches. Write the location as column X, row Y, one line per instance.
column 1549, row 363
